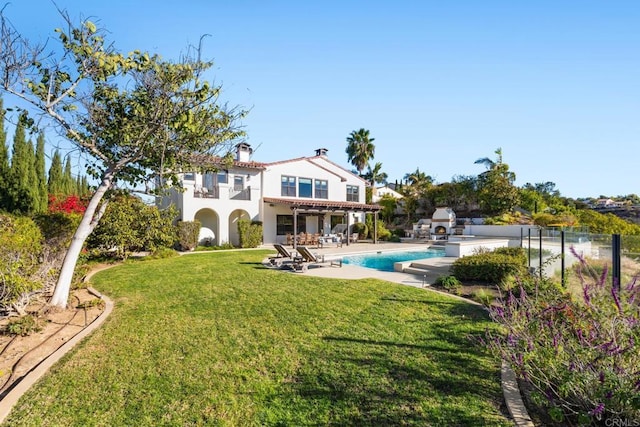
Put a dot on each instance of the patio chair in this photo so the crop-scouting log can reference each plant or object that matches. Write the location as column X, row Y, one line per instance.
column 283, row 255
column 306, row 258
column 353, row 238
column 302, row 238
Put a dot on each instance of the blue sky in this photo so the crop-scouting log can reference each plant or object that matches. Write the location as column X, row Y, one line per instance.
column 439, row 84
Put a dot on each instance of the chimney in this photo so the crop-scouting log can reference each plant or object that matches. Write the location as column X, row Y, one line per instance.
column 243, row 152
column 321, row 152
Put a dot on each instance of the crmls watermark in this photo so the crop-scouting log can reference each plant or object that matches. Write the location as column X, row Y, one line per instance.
column 621, row 422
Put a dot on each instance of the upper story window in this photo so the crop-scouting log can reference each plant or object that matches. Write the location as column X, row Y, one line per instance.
column 353, row 193
column 209, row 181
column 322, row 189
column 223, row 178
column 288, row 187
column 189, row 176
column 238, row 183
column 305, row 188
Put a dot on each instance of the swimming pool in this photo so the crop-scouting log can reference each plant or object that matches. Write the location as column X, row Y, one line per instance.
column 383, row 261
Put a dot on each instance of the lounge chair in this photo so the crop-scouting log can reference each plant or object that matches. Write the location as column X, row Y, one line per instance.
column 283, row 255
column 305, row 258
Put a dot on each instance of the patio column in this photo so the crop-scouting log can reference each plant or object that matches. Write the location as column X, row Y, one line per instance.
column 295, row 228
column 375, row 227
column 346, row 232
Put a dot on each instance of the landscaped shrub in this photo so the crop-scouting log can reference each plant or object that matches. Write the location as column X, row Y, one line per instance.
column 449, row 283
column 162, row 253
column 188, row 233
column 24, row 325
column 490, row 267
column 250, row 233
column 360, row 228
column 516, row 252
column 398, row 232
column 580, row 355
column 383, row 232
column 543, row 219
column 21, row 243
column 483, row 296
column 130, row 225
column 57, row 229
column 224, row 246
column 394, row 239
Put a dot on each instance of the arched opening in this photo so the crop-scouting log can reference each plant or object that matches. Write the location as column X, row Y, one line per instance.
column 234, row 217
column 209, row 227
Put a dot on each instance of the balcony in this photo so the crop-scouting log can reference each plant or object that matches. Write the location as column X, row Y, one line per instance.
column 240, row 194
column 207, row 193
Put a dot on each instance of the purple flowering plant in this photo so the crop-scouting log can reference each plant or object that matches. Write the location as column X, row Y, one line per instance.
column 579, row 352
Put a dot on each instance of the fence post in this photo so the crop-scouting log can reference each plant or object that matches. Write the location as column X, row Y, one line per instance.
column 562, row 276
column 529, row 249
column 540, row 254
column 616, row 249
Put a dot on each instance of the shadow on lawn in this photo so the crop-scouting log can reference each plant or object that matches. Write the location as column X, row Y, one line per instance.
column 351, row 381
column 379, row 387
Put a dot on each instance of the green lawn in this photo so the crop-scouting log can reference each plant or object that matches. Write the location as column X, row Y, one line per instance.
column 216, row 339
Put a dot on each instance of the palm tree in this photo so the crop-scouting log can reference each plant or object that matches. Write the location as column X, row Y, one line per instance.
column 488, row 163
column 375, row 175
column 419, row 180
column 497, row 193
column 360, row 148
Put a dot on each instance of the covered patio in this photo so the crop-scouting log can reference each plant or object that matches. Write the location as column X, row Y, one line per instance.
column 321, row 208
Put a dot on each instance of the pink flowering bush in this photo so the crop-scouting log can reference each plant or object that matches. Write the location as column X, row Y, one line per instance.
column 581, row 355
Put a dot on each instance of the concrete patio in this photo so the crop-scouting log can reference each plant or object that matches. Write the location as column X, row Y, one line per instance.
column 436, row 267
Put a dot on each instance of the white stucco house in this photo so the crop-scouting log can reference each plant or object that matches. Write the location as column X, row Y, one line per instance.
column 304, row 194
column 385, row 190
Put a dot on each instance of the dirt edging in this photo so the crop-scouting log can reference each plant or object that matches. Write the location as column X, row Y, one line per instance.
column 17, row 390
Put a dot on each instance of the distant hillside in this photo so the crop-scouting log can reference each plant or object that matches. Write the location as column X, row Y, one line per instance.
column 630, row 213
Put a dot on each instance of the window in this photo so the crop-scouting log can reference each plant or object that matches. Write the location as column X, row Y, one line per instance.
column 304, row 187
column 223, row 178
column 288, row 186
column 322, row 189
column 209, row 181
column 189, row 176
column 336, row 219
column 238, row 183
column 284, row 224
column 353, row 193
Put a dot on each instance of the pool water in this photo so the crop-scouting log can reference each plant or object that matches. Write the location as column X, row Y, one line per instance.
column 383, row 261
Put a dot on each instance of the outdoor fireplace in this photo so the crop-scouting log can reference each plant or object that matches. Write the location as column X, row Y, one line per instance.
column 443, row 223
column 440, row 230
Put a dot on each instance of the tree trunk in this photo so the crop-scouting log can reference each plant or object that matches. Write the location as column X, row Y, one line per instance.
column 63, row 286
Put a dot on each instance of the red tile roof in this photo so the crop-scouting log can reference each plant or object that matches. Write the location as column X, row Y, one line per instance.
column 322, row 204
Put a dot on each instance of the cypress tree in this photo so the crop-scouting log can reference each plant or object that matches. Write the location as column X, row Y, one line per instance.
column 23, row 181
column 56, row 182
column 4, row 163
column 43, row 195
column 84, row 186
column 69, row 183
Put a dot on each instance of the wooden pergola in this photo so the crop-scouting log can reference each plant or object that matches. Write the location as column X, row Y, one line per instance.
column 323, row 207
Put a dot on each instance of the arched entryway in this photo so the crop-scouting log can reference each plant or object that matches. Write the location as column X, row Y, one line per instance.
column 234, row 217
column 209, row 227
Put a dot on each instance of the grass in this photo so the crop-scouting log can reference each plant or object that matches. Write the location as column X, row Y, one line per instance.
column 216, row 339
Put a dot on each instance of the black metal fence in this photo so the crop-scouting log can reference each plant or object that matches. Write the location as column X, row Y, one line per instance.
column 554, row 252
